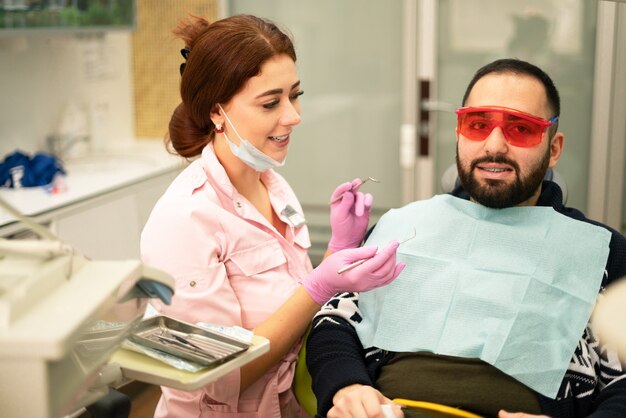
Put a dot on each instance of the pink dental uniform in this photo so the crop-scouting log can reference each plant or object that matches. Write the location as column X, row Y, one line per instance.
column 232, row 267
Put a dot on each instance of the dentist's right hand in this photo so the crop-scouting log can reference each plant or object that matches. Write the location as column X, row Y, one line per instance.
column 349, row 215
column 378, row 270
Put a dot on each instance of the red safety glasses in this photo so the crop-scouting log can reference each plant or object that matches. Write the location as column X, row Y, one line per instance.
column 520, row 129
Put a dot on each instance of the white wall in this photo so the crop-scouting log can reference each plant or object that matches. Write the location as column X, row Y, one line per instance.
column 40, row 75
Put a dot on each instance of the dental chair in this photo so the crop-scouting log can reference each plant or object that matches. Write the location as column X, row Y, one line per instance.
column 302, row 382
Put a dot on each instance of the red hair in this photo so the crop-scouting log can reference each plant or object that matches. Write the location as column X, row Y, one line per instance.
column 224, row 55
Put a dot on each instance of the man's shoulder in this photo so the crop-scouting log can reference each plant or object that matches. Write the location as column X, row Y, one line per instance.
column 574, row 213
column 616, row 264
column 551, row 195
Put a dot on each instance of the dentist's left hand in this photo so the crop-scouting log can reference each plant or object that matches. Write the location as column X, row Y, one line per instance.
column 379, row 269
column 349, row 216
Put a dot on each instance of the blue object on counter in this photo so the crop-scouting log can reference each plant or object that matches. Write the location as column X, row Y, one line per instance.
column 20, row 170
column 154, row 289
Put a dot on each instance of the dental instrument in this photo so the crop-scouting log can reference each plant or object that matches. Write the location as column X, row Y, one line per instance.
column 363, row 181
column 435, row 409
column 359, row 262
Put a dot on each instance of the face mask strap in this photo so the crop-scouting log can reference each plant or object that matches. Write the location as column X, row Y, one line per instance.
column 247, row 152
column 228, row 120
column 241, row 139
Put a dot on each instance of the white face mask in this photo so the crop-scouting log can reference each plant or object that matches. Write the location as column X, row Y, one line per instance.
column 248, row 153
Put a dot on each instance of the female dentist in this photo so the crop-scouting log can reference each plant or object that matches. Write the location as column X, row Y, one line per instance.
column 229, row 228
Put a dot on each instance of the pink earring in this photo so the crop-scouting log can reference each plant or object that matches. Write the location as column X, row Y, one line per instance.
column 218, row 128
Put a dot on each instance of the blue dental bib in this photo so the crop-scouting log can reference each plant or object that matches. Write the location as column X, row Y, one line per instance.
column 514, row 287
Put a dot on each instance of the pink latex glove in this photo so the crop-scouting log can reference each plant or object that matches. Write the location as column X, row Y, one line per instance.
column 349, row 216
column 378, row 270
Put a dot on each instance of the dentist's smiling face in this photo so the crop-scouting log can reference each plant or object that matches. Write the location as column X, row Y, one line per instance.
column 494, row 172
column 267, row 108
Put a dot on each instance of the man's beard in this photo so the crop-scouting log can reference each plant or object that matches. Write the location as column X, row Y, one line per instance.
column 497, row 193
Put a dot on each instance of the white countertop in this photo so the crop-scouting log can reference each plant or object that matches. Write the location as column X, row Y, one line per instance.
column 92, row 175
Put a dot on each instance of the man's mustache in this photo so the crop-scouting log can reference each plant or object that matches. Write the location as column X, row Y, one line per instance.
column 501, row 159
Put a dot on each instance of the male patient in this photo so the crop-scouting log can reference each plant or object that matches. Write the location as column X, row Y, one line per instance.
column 491, row 313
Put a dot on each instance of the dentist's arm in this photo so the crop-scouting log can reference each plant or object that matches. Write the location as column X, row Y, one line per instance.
column 289, row 322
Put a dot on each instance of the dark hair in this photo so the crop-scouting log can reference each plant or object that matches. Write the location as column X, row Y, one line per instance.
column 516, row 66
column 223, row 56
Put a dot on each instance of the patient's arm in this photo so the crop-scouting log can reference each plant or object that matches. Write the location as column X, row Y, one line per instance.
column 610, row 396
column 335, row 356
column 359, row 400
column 505, row 414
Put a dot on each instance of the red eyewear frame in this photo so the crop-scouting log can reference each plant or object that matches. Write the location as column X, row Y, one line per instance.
column 519, row 128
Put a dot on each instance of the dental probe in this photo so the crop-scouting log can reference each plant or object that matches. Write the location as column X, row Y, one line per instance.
column 363, row 181
column 359, row 262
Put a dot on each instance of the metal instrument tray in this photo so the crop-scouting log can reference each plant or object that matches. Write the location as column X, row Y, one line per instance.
column 187, row 341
